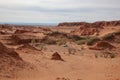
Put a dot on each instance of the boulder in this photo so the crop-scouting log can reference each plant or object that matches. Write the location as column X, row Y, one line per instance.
column 56, row 56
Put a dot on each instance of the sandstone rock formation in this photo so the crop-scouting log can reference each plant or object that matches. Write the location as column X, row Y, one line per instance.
column 83, row 31
column 26, row 38
column 90, row 28
column 56, row 56
column 10, row 61
column 29, row 49
column 102, row 45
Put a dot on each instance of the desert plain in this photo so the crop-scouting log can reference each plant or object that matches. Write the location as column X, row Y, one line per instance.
column 68, row 51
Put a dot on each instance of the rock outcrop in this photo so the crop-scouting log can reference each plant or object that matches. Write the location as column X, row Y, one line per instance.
column 10, row 61
column 29, row 49
column 83, row 31
column 56, row 56
column 102, row 45
column 86, row 29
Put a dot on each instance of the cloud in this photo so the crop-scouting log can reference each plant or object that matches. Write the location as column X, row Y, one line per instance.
column 58, row 10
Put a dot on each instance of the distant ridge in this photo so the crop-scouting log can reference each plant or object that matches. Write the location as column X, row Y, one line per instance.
column 98, row 23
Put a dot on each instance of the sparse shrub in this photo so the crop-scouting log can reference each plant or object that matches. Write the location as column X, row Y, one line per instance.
column 41, row 46
column 117, row 38
column 33, row 41
column 75, row 37
column 92, row 40
column 56, row 37
column 83, row 40
column 71, row 51
column 112, row 37
column 61, row 41
column 80, row 42
column 107, row 54
column 108, row 36
column 112, row 55
column 88, row 40
column 49, row 40
column 56, row 33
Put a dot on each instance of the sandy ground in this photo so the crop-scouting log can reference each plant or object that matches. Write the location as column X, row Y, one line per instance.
column 74, row 67
column 81, row 66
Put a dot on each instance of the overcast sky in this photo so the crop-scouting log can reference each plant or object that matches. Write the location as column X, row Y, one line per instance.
column 52, row 11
